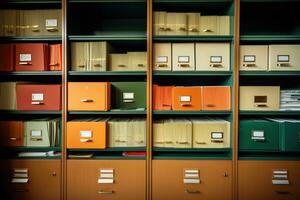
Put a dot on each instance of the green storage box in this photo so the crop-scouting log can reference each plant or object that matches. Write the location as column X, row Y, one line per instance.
column 128, row 95
column 258, row 136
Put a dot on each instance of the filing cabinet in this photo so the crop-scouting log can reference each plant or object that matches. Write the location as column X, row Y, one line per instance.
column 160, row 20
column 209, row 25
column 162, row 97
column 258, row 135
column 52, row 22
column 284, row 57
column 183, row 56
column 216, row 98
column 259, row 98
column 119, row 62
column 211, row 133
column 10, row 19
column 129, row 95
column 86, row 134
column 254, row 57
column 191, row 179
column 137, row 61
column 8, row 96
column 55, row 51
column 38, row 97
column 263, row 179
column 7, row 57
column 37, row 134
column 24, row 179
column 79, row 55
column 162, row 58
column 106, row 179
column 12, row 133
column 212, row 56
column 32, row 57
column 187, row 98
column 88, row 96
column 97, row 60
column 193, row 23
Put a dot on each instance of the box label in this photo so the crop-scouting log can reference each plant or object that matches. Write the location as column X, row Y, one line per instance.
column 37, row 97
column 249, row 58
column 162, row 59
column 283, row 58
column 51, row 22
column 217, row 135
column 36, row 133
column 25, row 57
column 216, row 59
column 185, row 98
column 183, row 59
column 85, row 134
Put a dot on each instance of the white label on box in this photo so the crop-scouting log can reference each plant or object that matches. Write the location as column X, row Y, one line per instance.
column 185, row 98
column 128, row 95
column 162, row 59
column 283, row 58
column 37, row 97
column 249, row 58
column 106, row 171
column 191, row 181
column 105, row 180
column 280, row 182
column 86, row 134
column 21, row 170
column 192, row 175
column 216, row 59
column 51, row 22
column 36, row 133
column 21, row 175
column 258, row 134
column 19, row 180
column 183, row 59
column 25, row 57
column 217, row 135
column 280, row 172
column 191, row 171
column 280, row 176
column 106, row 175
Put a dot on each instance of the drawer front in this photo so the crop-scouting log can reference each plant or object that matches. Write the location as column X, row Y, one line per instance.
column 255, row 180
column 129, row 95
column 258, row 135
column 160, row 19
column 181, row 24
column 162, row 57
column 79, row 58
column 259, row 98
column 208, row 25
column 193, row 23
column 38, row 97
column 137, row 61
column 212, row 56
column 98, row 56
column 31, row 57
column 7, row 57
column 224, row 25
column 86, row 135
column 37, row 134
column 45, row 173
column 13, row 133
column 211, row 134
column 290, row 137
column 216, row 98
column 8, row 95
column 254, row 57
column 55, row 52
column 284, row 57
column 52, row 22
column 183, row 56
column 186, row 98
column 119, row 62
column 120, row 172
column 171, row 174
column 89, row 96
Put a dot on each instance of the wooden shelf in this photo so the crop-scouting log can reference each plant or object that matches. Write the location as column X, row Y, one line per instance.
column 194, row 38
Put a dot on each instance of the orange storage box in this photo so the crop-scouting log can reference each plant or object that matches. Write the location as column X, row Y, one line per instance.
column 32, row 57
column 38, row 97
column 186, row 98
column 89, row 96
column 12, row 133
column 216, row 98
column 6, row 57
column 55, row 63
column 162, row 97
column 86, row 135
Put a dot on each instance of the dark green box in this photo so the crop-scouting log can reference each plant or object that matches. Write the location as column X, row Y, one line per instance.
column 128, row 95
column 258, row 136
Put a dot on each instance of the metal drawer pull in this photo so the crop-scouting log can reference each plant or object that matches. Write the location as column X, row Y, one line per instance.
column 168, row 29
column 200, row 142
column 207, row 30
column 182, row 142
column 25, row 63
column 21, row 190
column 182, row 29
column 161, row 65
column 105, row 192
column 85, row 140
column 140, row 65
column 185, row 105
column 121, row 65
column 97, row 65
column 81, row 66
column 283, row 192
column 37, row 103
column 169, row 142
column 215, row 65
column 211, row 105
column 13, row 138
column 283, row 64
column 261, row 105
column 121, row 141
column 87, row 100
column 52, row 29
column 193, row 30
column 192, row 191
column 183, row 65
column 249, row 65
column 161, row 28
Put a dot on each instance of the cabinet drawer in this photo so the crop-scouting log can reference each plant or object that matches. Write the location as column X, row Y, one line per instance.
column 284, row 57
column 254, row 57
column 162, row 58
column 89, row 96
column 183, row 56
column 216, row 98
column 187, row 98
column 190, row 179
column 259, row 98
column 125, row 179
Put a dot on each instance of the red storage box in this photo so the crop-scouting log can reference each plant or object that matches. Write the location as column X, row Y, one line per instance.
column 55, row 51
column 32, row 57
column 38, row 97
column 6, row 57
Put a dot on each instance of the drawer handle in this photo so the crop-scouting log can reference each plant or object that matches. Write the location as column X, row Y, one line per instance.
column 201, row 142
column 85, row 140
column 260, row 140
column 121, row 141
column 161, row 28
column 52, row 29
column 81, row 66
column 37, row 103
column 249, row 65
column 25, row 63
column 282, row 192
column 185, row 105
column 87, row 100
column 217, row 141
column 141, row 65
column 161, row 65
column 140, row 141
column 193, row 30
column 168, row 29
column 121, row 65
column 97, row 65
column 13, row 138
column 207, row 30
column 261, row 105
column 182, row 29
column 210, row 105
column 283, row 64
column 105, row 192
column 182, row 142
column 169, row 142
column 184, row 65
column 192, row 191
column 159, row 142
column 53, row 174
column 21, row 190
column 36, row 139
column 215, row 65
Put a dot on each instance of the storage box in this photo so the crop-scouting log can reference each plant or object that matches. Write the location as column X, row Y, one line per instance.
column 216, row 98
column 254, row 57
column 187, row 98
column 162, row 58
column 7, row 52
column 183, row 56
